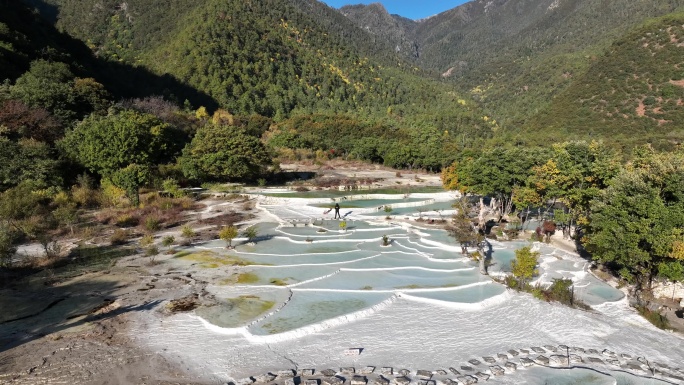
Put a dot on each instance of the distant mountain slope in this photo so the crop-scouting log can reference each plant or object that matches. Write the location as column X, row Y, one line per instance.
column 514, row 56
column 276, row 58
column 633, row 93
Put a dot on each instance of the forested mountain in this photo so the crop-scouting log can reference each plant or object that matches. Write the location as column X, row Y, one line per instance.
column 633, row 93
column 514, row 56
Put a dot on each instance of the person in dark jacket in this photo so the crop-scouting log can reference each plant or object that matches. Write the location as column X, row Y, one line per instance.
column 337, row 211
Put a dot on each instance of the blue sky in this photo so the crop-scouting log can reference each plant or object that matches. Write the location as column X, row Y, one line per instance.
column 413, row 9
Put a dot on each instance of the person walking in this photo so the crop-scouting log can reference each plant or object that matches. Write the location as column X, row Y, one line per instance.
column 337, row 211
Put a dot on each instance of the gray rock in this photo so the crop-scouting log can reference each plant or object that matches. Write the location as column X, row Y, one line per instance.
column 502, row 357
column 559, row 360
column 449, row 381
column 426, row 382
column 404, row 372
column 511, row 366
column 311, row 381
column 403, row 380
column 474, row 362
column 367, row 370
column 608, row 353
column 424, row 373
column 581, row 350
column 489, row 360
column 381, row 381
column 333, row 380
column 512, row 352
column 441, row 372
column 497, row 370
column 454, row 371
column 551, row 348
column 285, row 374
column 524, row 351
column 526, row 362
column 359, row 380
column 328, row 372
column 468, row 368
column 289, row 381
column 482, row 376
column 467, row 380
column 635, row 367
column 264, row 378
column 306, row 372
column 387, row 370
column 613, row 361
column 539, row 350
column 594, row 360
column 626, row 356
column 575, row 359
column 348, row 370
column 542, row 360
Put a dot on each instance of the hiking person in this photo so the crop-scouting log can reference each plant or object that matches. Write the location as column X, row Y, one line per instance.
column 337, row 211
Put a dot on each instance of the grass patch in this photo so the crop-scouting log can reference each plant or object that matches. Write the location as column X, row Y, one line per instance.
column 278, row 282
column 246, row 278
column 211, row 260
column 367, row 288
column 657, row 319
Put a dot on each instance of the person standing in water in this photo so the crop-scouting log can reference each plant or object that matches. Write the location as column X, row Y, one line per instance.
column 337, row 211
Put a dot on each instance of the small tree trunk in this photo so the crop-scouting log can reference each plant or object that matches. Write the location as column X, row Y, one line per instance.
column 483, row 257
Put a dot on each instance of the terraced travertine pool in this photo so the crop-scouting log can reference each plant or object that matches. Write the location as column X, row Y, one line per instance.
column 314, row 277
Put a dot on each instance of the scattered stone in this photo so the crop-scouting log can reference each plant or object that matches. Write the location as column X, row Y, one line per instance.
column 348, row 370
column 664, row 366
column 512, row 352
column 264, row 378
column 387, row 370
column 306, row 372
column 594, row 360
column 564, row 347
column 526, row 362
column 454, row 371
column 367, row 370
column 635, row 367
column 524, row 351
column 551, row 348
column 441, row 372
column 312, row 381
column 332, row 380
column 424, row 373
column 592, row 351
column 497, row 370
column 404, row 372
column 328, row 372
column 359, row 380
column 542, row 360
column 502, row 357
column 289, row 381
column 575, row 359
column 449, row 381
column 559, row 360
column 613, row 361
column 403, row 380
column 626, row 356
column 474, row 362
column 468, row 368
column 511, row 366
column 285, row 374
column 467, row 380
column 482, row 376
column 381, row 381
column 581, row 350
column 608, row 353
column 539, row 350
column 426, row 382
column 489, row 360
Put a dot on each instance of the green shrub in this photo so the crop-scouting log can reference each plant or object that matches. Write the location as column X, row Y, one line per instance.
column 119, row 237
column 152, row 223
column 168, row 241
